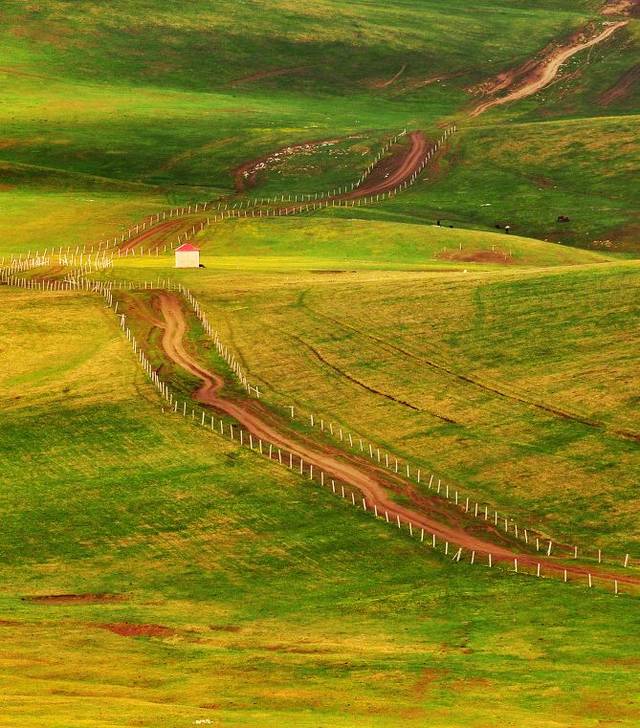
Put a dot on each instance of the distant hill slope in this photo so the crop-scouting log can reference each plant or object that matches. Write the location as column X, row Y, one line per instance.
column 179, row 97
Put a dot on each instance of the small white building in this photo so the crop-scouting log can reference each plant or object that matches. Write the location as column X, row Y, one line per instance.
column 187, row 256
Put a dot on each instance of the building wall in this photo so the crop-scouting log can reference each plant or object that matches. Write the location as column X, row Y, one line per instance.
column 188, row 259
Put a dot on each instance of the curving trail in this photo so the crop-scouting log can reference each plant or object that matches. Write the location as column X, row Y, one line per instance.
column 546, row 70
column 373, row 484
column 399, row 169
column 174, row 331
column 404, row 168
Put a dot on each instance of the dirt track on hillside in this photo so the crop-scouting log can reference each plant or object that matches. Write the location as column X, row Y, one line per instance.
column 244, row 176
column 258, row 425
column 535, row 75
column 401, row 169
column 353, row 471
column 387, row 175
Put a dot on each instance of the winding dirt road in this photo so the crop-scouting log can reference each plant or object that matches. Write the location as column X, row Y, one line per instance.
column 372, row 483
column 403, row 168
column 257, row 424
column 541, row 74
column 388, row 174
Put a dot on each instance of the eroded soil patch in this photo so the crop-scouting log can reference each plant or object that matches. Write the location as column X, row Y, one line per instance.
column 75, row 598
column 128, row 629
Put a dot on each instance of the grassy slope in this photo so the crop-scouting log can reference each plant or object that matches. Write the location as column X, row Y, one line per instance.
column 527, row 175
column 35, row 220
column 145, row 93
column 287, row 607
column 280, row 617
column 306, row 242
column 556, row 337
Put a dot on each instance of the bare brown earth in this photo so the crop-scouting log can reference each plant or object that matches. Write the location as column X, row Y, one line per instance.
column 621, row 7
column 622, row 87
column 534, row 75
column 401, row 166
column 158, row 235
column 129, row 629
column 76, row 598
column 388, row 174
column 379, row 83
column 371, row 482
column 477, row 256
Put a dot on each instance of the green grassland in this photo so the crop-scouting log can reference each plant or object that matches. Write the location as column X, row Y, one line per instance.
column 529, row 174
column 280, row 605
column 178, row 98
column 306, row 242
column 205, row 45
column 33, row 220
column 352, row 336
column 274, row 603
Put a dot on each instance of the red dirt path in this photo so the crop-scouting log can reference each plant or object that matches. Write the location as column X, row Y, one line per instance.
column 405, row 165
column 350, row 470
column 387, row 175
column 535, row 75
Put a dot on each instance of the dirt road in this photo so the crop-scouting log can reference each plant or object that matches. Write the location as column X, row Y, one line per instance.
column 401, row 168
column 533, row 77
column 353, row 471
column 259, row 426
column 388, row 174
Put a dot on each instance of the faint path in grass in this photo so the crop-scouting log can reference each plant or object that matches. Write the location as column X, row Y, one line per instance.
column 481, row 384
column 351, row 378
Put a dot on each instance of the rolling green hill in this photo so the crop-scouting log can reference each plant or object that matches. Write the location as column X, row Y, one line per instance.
column 178, row 98
column 152, row 573
column 240, row 594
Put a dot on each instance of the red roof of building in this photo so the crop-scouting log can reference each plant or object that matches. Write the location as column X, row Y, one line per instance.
column 187, row 248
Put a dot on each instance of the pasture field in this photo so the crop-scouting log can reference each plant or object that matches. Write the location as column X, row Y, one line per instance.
column 179, row 98
column 152, row 573
column 513, row 382
column 36, row 220
column 241, row 594
column 527, row 175
column 353, row 242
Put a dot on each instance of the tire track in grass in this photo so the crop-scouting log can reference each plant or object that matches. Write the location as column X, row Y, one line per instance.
column 480, row 384
column 366, row 387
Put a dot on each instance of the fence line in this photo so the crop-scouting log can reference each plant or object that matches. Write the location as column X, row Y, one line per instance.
column 246, row 208
column 483, row 511
column 405, row 470
column 400, row 468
